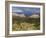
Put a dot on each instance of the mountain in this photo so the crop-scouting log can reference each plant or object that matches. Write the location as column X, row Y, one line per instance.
column 20, row 15
column 34, row 16
column 23, row 15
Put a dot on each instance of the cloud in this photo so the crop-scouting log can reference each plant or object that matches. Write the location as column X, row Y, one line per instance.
column 26, row 10
column 17, row 10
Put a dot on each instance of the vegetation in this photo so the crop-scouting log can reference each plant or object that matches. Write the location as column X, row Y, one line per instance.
column 25, row 23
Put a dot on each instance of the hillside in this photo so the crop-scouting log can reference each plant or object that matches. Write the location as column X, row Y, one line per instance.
column 21, row 23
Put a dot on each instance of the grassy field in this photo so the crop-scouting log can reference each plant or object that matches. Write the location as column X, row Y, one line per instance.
column 24, row 24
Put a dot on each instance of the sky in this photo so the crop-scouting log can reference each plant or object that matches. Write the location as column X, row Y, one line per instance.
column 25, row 10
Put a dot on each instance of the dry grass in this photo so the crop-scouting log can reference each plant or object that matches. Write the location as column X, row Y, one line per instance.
column 24, row 24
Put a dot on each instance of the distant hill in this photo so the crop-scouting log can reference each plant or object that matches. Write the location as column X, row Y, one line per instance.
column 20, row 15
column 36, row 15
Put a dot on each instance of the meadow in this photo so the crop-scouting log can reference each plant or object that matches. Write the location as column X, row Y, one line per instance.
column 25, row 23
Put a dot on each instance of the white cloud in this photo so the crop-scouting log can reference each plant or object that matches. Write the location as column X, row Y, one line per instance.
column 18, row 10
